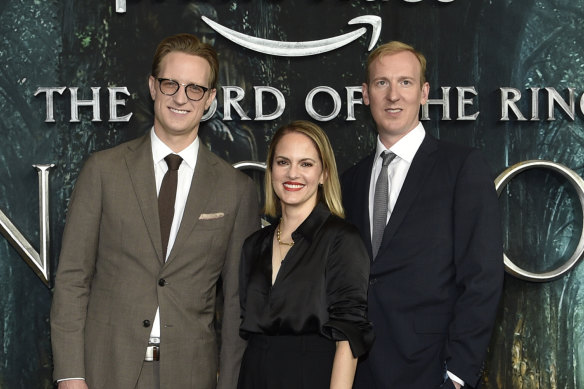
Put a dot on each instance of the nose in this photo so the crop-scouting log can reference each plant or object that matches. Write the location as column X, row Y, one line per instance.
column 392, row 94
column 180, row 97
column 292, row 172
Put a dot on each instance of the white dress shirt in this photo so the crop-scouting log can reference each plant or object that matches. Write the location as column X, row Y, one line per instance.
column 405, row 149
column 185, row 177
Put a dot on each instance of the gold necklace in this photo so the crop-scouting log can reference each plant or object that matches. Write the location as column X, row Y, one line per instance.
column 278, row 237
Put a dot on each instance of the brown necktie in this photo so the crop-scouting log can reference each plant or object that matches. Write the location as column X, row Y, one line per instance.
column 166, row 198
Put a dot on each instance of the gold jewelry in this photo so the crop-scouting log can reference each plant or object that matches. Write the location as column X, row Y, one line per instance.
column 278, row 237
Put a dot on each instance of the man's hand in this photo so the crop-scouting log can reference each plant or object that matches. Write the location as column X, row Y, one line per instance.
column 73, row 384
column 456, row 385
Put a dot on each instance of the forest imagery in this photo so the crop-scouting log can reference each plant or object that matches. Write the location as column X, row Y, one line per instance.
column 498, row 48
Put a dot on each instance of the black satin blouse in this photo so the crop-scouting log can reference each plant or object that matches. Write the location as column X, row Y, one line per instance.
column 321, row 287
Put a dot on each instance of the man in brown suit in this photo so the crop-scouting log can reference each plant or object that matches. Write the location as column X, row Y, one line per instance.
column 126, row 314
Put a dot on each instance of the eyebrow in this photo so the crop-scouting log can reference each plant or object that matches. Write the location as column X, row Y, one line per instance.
column 184, row 83
column 301, row 160
column 399, row 78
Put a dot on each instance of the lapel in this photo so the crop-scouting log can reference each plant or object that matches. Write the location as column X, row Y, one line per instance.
column 141, row 169
column 202, row 187
column 421, row 167
column 362, row 187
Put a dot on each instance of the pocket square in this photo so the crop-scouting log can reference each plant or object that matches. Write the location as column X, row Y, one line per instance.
column 211, row 216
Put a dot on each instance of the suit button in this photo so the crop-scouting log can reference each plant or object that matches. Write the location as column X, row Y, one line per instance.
column 161, row 282
column 146, row 323
column 372, row 281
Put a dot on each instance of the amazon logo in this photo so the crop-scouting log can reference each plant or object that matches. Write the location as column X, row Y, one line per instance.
column 300, row 49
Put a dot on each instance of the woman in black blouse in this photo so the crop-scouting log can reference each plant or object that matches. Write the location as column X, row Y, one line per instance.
column 303, row 281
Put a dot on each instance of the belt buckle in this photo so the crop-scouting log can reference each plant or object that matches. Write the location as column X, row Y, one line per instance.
column 152, row 353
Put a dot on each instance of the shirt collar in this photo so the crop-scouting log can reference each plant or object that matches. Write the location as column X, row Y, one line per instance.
column 406, row 147
column 313, row 222
column 161, row 150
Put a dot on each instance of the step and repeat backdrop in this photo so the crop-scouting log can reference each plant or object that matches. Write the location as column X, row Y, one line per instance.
column 506, row 76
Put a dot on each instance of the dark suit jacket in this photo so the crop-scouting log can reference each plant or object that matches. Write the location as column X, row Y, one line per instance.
column 436, row 282
column 112, row 276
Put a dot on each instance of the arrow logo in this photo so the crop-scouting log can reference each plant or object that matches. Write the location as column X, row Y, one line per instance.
column 300, row 49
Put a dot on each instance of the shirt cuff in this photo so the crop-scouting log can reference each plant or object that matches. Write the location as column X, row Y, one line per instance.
column 69, row 379
column 455, row 378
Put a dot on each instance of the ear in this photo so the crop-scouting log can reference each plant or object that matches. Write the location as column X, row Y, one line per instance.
column 152, row 87
column 425, row 93
column 210, row 97
column 323, row 177
column 365, row 92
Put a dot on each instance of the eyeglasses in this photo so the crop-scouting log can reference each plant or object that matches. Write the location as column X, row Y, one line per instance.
column 170, row 87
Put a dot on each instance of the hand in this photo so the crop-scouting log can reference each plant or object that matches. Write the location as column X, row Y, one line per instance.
column 73, row 384
column 450, row 384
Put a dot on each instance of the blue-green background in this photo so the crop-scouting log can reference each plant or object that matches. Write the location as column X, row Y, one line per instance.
column 522, row 44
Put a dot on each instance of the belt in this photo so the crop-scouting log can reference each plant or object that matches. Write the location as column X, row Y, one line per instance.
column 153, row 350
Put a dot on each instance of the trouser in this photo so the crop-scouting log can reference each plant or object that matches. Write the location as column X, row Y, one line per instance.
column 287, row 362
column 149, row 375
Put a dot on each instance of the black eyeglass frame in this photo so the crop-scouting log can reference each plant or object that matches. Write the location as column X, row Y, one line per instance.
column 160, row 80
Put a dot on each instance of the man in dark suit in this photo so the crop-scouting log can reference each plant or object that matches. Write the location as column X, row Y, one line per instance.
column 134, row 302
column 428, row 213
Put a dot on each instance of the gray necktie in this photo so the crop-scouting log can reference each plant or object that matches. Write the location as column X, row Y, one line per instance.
column 380, row 203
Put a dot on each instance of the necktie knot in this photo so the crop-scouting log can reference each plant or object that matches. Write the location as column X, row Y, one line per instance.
column 387, row 157
column 173, row 161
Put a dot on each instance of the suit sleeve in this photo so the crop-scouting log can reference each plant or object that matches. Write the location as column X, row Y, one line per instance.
column 478, row 257
column 232, row 346
column 74, row 274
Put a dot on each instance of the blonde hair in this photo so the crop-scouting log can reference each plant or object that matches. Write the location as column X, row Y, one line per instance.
column 395, row 47
column 329, row 192
column 188, row 44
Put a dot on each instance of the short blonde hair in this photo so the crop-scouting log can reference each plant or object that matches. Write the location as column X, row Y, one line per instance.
column 188, row 44
column 395, row 47
column 329, row 192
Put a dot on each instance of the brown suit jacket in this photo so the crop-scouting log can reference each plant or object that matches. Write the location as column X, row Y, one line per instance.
column 112, row 276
